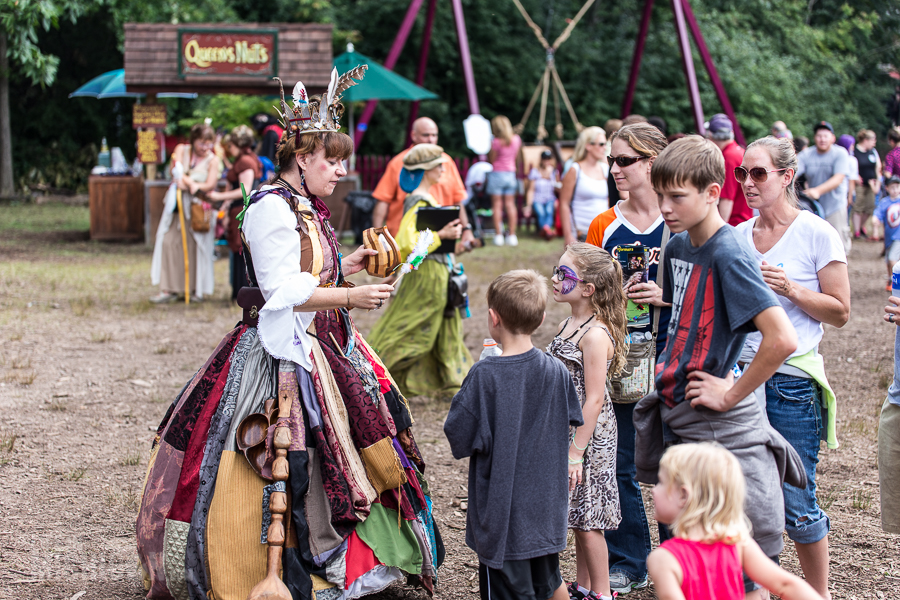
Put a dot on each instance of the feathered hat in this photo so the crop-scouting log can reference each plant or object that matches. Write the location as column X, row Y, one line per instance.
column 319, row 114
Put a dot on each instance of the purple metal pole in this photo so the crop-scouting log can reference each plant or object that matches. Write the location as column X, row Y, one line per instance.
column 685, row 45
column 713, row 73
column 391, row 60
column 466, row 60
column 636, row 61
column 423, row 61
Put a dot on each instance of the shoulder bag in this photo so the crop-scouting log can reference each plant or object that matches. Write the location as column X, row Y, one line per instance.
column 637, row 378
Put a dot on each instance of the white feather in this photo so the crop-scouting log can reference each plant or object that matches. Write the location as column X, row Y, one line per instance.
column 329, row 97
column 299, row 94
column 419, row 251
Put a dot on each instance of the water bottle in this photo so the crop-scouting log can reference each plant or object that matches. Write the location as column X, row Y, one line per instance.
column 490, row 349
column 895, row 280
column 103, row 159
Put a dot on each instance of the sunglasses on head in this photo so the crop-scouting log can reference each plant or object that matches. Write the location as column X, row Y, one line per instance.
column 563, row 273
column 624, row 161
column 757, row 174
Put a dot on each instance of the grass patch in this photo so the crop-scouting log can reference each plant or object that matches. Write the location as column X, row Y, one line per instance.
column 45, row 217
column 132, row 458
column 82, row 306
column 20, row 363
column 58, row 405
column 126, row 499
column 827, row 498
column 164, row 349
column 75, row 474
column 101, row 337
column 16, row 337
column 7, row 446
column 19, row 377
column 861, row 499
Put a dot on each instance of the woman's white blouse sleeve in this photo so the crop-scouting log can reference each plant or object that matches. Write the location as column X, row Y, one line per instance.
column 270, row 230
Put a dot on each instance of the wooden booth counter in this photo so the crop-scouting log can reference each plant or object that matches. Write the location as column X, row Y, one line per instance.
column 117, row 208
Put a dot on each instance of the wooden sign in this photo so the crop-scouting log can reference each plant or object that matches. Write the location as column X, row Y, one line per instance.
column 229, row 52
column 149, row 116
column 151, row 146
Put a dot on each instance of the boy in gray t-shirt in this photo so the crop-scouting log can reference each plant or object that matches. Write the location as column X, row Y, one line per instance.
column 511, row 418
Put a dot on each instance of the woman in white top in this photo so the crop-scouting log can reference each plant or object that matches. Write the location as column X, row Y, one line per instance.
column 584, row 193
column 200, row 169
column 802, row 259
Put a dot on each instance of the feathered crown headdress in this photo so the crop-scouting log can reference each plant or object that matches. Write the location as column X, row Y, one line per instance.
column 319, row 114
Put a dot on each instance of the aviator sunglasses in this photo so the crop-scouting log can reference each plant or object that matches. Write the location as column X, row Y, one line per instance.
column 624, row 161
column 757, row 174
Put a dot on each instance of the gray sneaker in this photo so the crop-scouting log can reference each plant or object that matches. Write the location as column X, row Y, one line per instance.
column 621, row 584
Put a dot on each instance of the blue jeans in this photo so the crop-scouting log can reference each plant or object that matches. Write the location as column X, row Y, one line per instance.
column 544, row 213
column 630, row 544
column 794, row 409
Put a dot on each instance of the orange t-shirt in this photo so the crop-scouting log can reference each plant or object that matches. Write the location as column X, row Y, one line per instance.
column 449, row 190
column 598, row 227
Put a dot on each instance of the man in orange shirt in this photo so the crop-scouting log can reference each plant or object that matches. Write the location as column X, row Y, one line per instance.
column 449, row 190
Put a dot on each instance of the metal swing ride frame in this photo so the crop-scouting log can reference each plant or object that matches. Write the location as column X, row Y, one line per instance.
column 684, row 19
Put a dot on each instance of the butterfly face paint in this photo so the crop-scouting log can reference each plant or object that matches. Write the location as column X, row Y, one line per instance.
column 567, row 278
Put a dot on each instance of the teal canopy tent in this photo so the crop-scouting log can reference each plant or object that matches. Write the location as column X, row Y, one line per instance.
column 379, row 84
column 112, row 85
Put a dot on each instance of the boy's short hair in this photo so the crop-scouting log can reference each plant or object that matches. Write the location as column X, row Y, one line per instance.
column 692, row 159
column 520, row 298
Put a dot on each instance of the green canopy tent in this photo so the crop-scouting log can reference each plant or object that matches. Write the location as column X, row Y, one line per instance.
column 379, row 84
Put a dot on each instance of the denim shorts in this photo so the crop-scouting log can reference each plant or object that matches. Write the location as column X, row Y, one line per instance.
column 501, row 183
column 794, row 409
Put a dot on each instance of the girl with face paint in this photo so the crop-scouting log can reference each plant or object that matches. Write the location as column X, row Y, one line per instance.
column 591, row 343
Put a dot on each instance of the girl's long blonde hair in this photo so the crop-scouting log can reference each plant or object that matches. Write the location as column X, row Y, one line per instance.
column 599, row 268
column 714, row 483
column 588, row 135
column 502, row 129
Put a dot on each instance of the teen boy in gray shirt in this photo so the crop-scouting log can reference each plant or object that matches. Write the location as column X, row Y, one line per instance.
column 511, row 418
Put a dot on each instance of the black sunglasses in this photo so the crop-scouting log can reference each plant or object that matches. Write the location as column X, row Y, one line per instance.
column 757, row 174
column 624, row 161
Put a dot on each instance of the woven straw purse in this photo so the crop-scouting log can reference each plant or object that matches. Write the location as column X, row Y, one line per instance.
column 388, row 256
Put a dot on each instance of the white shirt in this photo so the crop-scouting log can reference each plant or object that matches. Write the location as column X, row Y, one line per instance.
column 477, row 175
column 270, row 230
column 808, row 246
column 589, row 198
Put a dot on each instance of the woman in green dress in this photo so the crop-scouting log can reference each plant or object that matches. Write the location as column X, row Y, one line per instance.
column 419, row 340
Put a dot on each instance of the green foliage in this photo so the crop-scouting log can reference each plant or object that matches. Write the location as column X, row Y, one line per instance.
column 226, row 110
column 21, row 20
column 793, row 60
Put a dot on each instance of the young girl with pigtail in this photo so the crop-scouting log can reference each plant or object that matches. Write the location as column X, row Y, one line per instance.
column 591, row 343
column 700, row 495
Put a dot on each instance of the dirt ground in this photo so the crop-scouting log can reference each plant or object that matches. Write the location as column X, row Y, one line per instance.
column 88, row 367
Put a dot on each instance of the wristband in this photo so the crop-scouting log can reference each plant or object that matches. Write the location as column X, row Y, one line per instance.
column 468, row 226
column 577, row 447
column 576, row 462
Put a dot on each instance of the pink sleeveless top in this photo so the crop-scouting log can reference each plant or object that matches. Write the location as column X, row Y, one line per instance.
column 709, row 570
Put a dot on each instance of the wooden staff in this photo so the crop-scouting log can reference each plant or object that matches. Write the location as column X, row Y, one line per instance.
column 272, row 587
column 187, row 271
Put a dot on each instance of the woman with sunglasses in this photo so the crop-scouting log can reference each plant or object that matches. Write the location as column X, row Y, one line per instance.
column 636, row 220
column 802, row 259
column 201, row 169
column 584, row 193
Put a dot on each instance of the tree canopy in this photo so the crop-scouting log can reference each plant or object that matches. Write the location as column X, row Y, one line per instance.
column 799, row 61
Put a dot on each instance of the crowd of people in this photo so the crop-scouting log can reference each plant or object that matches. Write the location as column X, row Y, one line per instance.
column 709, row 331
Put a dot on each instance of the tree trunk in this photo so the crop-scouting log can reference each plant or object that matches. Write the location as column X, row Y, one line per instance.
column 7, row 188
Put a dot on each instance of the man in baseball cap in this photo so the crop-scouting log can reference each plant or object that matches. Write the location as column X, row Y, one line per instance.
column 732, row 205
column 827, row 170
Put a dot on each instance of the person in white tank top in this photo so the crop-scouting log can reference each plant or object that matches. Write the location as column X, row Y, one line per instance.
column 584, row 193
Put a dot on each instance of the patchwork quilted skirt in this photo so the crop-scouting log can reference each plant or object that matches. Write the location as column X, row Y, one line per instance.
column 359, row 511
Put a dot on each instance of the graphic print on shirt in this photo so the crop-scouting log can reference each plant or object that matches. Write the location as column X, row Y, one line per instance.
column 689, row 285
column 892, row 215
